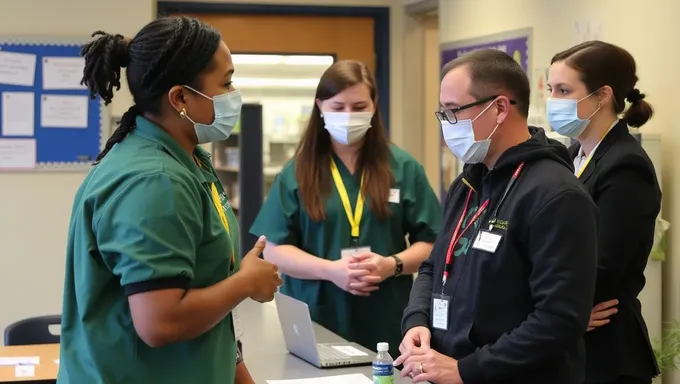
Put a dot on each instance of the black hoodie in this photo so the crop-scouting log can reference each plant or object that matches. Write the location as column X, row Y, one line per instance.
column 517, row 315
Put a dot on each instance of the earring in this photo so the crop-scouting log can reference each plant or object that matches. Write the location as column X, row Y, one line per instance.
column 183, row 113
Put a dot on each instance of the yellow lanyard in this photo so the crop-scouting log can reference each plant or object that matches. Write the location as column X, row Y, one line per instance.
column 220, row 211
column 584, row 165
column 354, row 219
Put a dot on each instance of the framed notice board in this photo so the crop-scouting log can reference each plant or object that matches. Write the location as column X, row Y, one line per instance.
column 47, row 119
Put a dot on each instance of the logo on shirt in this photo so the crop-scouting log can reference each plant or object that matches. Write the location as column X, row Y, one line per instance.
column 465, row 241
column 224, row 201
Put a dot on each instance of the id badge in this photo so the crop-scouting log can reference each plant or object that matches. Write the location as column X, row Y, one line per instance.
column 349, row 252
column 236, row 320
column 487, row 241
column 440, row 311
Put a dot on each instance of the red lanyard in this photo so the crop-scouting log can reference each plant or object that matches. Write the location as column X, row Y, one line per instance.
column 457, row 233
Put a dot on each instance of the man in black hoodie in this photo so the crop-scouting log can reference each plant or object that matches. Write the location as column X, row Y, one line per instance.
column 506, row 294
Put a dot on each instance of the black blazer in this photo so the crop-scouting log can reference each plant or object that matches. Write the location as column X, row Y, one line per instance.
column 621, row 180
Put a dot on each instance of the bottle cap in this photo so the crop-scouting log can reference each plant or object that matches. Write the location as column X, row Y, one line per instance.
column 383, row 347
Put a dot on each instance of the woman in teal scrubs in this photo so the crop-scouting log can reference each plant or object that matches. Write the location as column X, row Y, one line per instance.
column 337, row 215
column 152, row 266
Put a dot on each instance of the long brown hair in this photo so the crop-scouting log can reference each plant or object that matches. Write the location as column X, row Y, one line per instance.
column 313, row 155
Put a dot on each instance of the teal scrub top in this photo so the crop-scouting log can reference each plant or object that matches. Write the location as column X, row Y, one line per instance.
column 144, row 219
column 417, row 213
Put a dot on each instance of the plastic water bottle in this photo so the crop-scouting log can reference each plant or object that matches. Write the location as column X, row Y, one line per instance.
column 383, row 370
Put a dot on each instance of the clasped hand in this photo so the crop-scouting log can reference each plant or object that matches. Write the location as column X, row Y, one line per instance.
column 426, row 364
column 422, row 363
column 360, row 274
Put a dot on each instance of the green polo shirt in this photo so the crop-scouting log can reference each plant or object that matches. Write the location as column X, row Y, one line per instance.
column 415, row 211
column 142, row 220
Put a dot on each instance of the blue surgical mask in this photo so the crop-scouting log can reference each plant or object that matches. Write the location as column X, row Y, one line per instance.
column 460, row 138
column 563, row 116
column 227, row 108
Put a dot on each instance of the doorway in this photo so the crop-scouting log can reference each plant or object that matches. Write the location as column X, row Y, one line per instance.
column 359, row 33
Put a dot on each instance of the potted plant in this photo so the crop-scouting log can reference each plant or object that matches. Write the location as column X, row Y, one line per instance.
column 667, row 352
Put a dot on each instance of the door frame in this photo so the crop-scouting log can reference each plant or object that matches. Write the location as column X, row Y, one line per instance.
column 381, row 32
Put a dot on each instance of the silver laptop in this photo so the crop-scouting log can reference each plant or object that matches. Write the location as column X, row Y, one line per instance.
column 298, row 332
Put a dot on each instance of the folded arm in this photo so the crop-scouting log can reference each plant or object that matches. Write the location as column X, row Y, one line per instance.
column 629, row 202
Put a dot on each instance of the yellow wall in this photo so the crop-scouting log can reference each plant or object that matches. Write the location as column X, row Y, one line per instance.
column 35, row 207
column 648, row 30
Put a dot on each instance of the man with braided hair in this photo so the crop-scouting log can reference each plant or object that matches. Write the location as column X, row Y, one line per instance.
column 153, row 268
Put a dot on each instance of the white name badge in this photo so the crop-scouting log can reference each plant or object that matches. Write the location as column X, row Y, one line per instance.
column 487, row 241
column 349, row 252
column 394, row 196
column 238, row 326
column 440, row 312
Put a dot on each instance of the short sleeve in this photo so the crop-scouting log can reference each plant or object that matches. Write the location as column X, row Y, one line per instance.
column 423, row 212
column 278, row 218
column 148, row 233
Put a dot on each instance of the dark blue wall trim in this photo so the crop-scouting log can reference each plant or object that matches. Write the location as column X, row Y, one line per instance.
column 380, row 15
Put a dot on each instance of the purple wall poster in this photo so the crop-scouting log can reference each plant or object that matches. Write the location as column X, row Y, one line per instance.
column 515, row 43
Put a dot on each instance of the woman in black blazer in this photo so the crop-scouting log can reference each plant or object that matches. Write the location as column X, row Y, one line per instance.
column 590, row 84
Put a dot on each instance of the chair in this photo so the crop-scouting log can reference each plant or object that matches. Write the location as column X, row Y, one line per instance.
column 34, row 330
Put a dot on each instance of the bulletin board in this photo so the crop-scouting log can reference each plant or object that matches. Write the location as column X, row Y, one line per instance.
column 47, row 119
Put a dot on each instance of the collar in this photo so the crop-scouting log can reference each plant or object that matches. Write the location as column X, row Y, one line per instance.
column 615, row 133
column 582, row 154
column 152, row 132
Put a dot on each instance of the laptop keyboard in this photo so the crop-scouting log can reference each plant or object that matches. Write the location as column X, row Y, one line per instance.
column 326, row 352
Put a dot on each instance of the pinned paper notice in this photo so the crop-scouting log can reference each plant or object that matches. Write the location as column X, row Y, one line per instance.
column 17, row 154
column 28, row 360
column 349, row 350
column 18, row 111
column 63, row 72
column 59, row 111
column 24, row 370
column 17, row 68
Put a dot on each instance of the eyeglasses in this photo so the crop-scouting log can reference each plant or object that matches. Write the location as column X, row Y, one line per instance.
column 450, row 115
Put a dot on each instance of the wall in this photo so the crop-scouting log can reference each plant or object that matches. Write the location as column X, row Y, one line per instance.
column 35, row 207
column 647, row 32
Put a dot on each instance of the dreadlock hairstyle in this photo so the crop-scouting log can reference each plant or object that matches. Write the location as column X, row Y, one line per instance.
column 165, row 53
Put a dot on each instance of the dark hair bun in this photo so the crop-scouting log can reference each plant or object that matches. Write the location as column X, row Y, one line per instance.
column 639, row 111
column 104, row 58
column 634, row 96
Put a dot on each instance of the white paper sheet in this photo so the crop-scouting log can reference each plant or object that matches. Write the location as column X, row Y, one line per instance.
column 59, row 111
column 17, row 154
column 349, row 350
column 63, row 72
column 17, row 68
column 18, row 111
column 24, row 371
column 356, row 378
column 26, row 360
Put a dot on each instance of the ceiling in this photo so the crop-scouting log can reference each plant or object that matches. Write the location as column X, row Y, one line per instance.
column 276, row 71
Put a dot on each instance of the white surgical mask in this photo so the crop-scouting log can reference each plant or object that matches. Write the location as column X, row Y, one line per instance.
column 227, row 108
column 563, row 116
column 347, row 127
column 460, row 138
